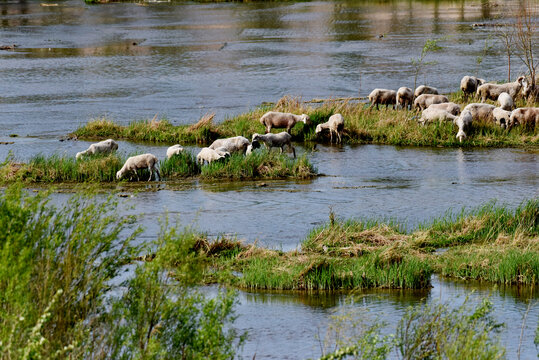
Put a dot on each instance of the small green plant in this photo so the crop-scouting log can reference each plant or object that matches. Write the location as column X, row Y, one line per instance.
column 419, row 62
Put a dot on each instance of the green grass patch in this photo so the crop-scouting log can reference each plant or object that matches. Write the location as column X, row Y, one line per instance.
column 490, row 243
column 260, row 164
column 362, row 126
column 102, row 168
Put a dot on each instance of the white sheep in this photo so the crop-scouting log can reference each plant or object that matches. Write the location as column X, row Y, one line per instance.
column 425, row 100
column 527, row 117
column 275, row 140
column 383, row 97
column 405, row 97
column 431, row 114
column 174, row 150
column 210, row 155
column 469, row 84
column 232, row 144
column 275, row 119
column 424, row 89
column 464, row 121
column 102, row 147
column 501, row 116
column 481, row 111
column 506, row 101
column 450, row 107
column 335, row 124
column 492, row 91
column 144, row 161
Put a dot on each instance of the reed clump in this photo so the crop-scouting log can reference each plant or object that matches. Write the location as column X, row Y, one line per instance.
column 363, row 125
column 490, row 243
column 260, row 164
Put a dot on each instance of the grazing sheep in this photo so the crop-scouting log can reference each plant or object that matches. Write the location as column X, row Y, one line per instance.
column 501, row 116
column 450, row 107
column 425, row 100
column 274, row 119
column 209, row 155
column 134, row 163
column 335, row 124
column 232, row 144
column 405, row 97
column 527, row 117
column 469, row 84
column 464, row 121
column 105, row 146
column 506, row 101
column 383, row 97
column 275, row 140
column 174, row 150
column 424, row 89
column 481, row 111
column 492, row 91
column 431, row 114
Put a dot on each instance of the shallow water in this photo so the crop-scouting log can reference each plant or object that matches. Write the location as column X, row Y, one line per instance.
column 75, row 62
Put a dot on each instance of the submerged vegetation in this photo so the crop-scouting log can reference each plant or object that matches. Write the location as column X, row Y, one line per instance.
column 102, row 168
column 362, row 126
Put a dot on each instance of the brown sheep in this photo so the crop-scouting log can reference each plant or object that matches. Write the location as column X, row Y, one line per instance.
column 383, row 97
column 527, row 117
column 425, row 100
column 405, row 97
column 492, row 91
column 450, row 107
column 275, row 119
column 424, row 89
column 481, row 111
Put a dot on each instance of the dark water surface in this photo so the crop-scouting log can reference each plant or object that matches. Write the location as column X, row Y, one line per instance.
column 127, row 61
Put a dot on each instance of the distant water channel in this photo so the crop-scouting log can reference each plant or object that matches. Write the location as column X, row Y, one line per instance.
column 74, row 62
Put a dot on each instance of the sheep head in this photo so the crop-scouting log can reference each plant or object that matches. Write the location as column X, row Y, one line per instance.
column 255, row 137
column 79, row 155
column 306, row 119
column 318, row 129
column 461, row 135
column 119, row 174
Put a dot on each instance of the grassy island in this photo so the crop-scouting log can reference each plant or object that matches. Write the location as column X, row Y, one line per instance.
column 60, row 169
column 491, row 244
column 362, row 126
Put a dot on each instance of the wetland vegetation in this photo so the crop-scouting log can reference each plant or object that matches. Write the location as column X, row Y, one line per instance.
column 62, row 294
column 491, row 244
column 261, row 164
column 362, row 126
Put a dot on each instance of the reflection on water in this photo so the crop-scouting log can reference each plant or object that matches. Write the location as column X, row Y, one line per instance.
column 287, row 325
column 180, row 59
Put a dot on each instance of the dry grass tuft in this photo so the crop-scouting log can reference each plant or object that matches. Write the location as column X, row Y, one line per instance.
column 205, row 121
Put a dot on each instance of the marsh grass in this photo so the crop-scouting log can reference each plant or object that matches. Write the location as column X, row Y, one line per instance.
column 183, row 164
column 58, row 168
column 102, row 168
column 490, row 243
column 362, row 126
column 260, row 164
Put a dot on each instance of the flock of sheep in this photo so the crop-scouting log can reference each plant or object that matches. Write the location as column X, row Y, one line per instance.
column 436, row 107
column 221, row 148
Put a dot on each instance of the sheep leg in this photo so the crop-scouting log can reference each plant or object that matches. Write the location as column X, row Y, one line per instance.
column 136, row 174
column 293, row 150
column 330, row 136
column 268, row 129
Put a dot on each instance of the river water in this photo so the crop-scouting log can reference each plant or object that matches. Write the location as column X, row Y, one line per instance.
column 74, row 62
